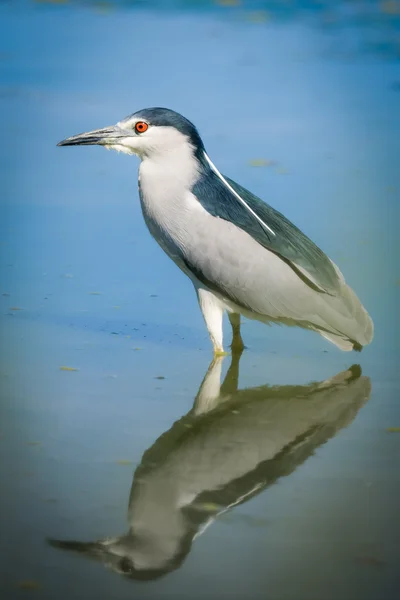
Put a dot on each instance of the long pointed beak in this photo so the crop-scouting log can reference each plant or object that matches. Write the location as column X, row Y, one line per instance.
column 84, row 547
column 103, row 137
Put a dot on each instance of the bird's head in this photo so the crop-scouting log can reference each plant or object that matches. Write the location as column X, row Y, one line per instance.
column 147, row 133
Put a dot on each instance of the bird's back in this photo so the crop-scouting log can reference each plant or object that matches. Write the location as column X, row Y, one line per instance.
column 285, row 276
column 282, row 277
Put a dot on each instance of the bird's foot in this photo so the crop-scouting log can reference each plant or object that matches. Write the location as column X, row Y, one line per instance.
column 219, row 352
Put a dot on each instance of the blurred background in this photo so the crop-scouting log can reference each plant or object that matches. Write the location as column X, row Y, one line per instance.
column 103, row 347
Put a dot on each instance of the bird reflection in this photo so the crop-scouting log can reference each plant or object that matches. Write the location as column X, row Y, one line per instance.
column 231, row 445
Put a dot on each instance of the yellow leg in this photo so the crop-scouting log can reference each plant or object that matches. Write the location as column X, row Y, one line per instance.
column 218, row 353
column 237, row 344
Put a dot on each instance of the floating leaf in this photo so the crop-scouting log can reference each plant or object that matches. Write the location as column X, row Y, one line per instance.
column 393, row 429
column 390, row 7
column 29, row 584
column 371, row 561
column 123, row 462
column 159, row 377
column 53, row 1
column 262, row 162
column 103, row 7
column 228, row 2
column 63, row 368
column 16, row 308
column 258, row 16
column 95, row 293
column 282, row 171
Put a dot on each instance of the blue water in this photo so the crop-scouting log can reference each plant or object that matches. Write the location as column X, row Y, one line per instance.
column 281, row 490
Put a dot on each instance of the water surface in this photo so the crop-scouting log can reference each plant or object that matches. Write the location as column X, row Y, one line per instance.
column 284, row 483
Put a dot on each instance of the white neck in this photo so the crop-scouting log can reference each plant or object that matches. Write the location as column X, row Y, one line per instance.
column 168, row 171
column 165, row 181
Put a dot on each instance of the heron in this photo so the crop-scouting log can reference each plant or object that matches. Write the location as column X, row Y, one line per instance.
column 232, row 445
column 242, row 256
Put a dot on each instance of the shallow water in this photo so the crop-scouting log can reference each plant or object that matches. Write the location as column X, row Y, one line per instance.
column 279, row 488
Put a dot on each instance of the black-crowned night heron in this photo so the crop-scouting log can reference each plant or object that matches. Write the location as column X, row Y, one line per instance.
column 241, row 255
column 229, row 447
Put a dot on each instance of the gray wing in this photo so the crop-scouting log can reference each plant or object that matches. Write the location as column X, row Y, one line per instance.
column 289, row 243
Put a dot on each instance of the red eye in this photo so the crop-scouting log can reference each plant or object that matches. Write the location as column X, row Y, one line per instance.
column 141, row 127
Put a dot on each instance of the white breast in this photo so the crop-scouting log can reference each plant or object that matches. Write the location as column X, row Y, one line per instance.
column 169, row 208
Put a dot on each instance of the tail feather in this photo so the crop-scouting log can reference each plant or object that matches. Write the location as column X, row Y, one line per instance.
column 346, row 323
column 344, row 344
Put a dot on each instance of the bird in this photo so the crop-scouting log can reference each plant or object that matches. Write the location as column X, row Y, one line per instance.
column 232, row 445
column 243, row 257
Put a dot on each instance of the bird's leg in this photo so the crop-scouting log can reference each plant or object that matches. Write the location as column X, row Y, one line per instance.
column 231, row 382
column 237, row 342
column 210, row 389
column 213, row 311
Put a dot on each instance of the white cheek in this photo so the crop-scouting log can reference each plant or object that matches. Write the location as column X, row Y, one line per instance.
column 128, row 145
column 121, row 148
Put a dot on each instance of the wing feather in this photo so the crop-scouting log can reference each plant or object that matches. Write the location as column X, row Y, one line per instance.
column 224, row 198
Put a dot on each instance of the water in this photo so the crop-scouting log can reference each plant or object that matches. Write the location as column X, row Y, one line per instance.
column 280, row 488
